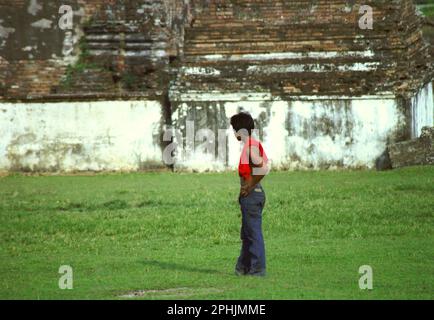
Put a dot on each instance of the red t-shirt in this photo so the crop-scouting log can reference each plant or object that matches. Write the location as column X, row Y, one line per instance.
column 244, row 167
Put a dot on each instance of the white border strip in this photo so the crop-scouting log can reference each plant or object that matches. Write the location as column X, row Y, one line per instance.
column 265, row 96
column 288, row 55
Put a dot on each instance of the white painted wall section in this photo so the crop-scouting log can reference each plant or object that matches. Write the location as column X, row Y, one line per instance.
column 110, row 135
column 311, row 134
column 422, row 110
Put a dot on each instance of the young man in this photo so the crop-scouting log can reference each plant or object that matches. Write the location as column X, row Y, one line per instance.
column 252, row 169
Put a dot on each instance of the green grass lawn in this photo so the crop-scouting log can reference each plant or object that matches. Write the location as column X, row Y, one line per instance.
column 177, row 235
column 427, row 7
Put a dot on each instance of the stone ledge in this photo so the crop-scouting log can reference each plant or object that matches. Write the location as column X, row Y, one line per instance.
column 414, row 152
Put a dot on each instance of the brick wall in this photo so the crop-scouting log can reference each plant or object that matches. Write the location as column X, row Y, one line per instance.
column 135, row 48
column 121, row 49
column 328, row 52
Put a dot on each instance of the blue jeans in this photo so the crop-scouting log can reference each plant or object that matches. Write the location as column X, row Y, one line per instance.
column 252, row 258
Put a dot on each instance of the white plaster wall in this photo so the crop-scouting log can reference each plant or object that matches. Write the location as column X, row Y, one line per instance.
column 350, row 133
column 66, row 136
column 190, row 152
column 318, row 134
column 422, row 110
column 122, row 135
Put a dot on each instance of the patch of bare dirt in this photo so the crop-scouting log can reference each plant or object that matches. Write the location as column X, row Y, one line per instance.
column 3, row 174
column 171, row 292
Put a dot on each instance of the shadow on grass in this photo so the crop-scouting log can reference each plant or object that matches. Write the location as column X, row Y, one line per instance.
column 179, row 267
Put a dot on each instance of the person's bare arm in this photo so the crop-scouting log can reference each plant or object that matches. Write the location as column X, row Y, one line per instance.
column 259, row 170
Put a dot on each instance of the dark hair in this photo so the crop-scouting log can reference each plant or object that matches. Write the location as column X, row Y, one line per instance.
column 241, row 121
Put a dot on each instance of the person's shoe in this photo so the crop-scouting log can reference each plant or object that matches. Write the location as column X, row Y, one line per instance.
column 239, row 272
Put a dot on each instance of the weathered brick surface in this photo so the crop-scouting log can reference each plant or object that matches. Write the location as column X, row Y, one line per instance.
column 135, row 48
column 122, row 49
column 242, row 30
